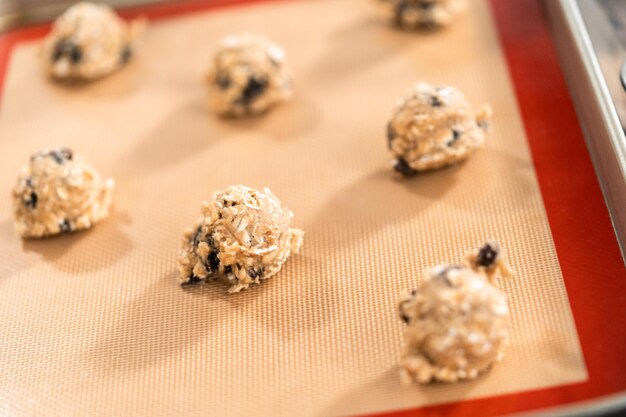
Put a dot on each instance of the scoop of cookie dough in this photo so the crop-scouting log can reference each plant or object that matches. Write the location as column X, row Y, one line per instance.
column 433, row 127
column 456, row 321
column 422, row 14
column 247, row 76
column 59, row 192
column 242, row 238
column 87, row 42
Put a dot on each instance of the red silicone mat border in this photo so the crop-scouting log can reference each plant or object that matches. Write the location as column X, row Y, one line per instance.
column 586, row 246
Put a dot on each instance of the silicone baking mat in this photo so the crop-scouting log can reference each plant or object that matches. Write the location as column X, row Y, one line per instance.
column 95, row 323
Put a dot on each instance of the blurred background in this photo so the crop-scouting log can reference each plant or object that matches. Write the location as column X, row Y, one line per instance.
column 15, row 13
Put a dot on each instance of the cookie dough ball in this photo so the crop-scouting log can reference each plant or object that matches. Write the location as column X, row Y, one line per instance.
column 242, row 238
column 433, row 127
column 59, row 192
column 87, row 42
column 422, row 14
column 247, row 76
column 456, row 325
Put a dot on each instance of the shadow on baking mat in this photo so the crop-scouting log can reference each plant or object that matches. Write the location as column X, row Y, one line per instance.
column 389, row 389
column 560, row 355
column 183, row 134
column 7, row 230
column 84, row 251
column 378, row 199
column 298, row 307
column 483, row 165
column 432, row 185
column 113, row 86
column 286, row 121
column 382, row 43
column 157, row 324
column 165, row 320
column 12, row 258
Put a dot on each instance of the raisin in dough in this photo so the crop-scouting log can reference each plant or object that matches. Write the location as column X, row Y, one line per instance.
column 422, row 14
column 247, row 76
column 242, row 238
column 58, row 192
column 87, row 42
column 433, row 127
column 456, row 321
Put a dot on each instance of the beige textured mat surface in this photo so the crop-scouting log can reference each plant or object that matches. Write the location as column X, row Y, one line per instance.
column 95, row 324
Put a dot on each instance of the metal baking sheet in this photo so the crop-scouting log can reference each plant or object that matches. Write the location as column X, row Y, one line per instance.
column 98, row 323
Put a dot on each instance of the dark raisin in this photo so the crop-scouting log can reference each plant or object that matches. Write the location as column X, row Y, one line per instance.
column 391, row 134
column 413, row 291
column 435, row 102
column 126, row 54
column 455, row 136
column 67, row 153
column 59, row 50
column 487, row 255
column 254, row 88
column 483, row 124
column 192, row 280
column 401, row 7
column 69, row 49
column 403, row 167
column 61, row 155
column 223, row 81
column 403, row 316
column 425, row 5
column 31, row 201
column 65, row 226
column 58, row 158
column 75, row 53
column 256, row 273
column 427, row 25
column 228, row 269
column 212, row 262
column 195, row 238
column 29, row 182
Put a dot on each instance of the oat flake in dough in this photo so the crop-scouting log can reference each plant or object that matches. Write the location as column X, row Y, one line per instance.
column 244, row 236
column 456, row 321
column 59, row 192
column 248, row 75
column 434, row 126
column 422, row 14
column 87, row 42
